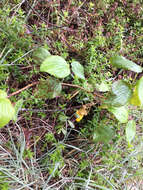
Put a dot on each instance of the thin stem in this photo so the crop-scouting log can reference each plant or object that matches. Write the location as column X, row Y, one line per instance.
column 22, row 89
column 64, row 84
column 76, row 86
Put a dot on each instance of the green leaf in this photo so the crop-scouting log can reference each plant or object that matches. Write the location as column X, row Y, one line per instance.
column 40, row 54
column 62, row 117
column 130, row 131
column 103, row 87
column 17, row 107
column 78, row 69
column 3, row 94
column 48, row 89
column 120, row 94
column 56, row 66
column 71, row 124
column 6, row 111
column 103, row 134
column 121, row 113
column 137, row 97
column 87, row 86
column 123, row 63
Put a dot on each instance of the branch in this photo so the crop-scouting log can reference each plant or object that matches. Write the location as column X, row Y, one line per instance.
column 22, row 89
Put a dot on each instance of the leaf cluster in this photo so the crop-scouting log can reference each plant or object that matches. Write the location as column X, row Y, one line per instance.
column 121, row 94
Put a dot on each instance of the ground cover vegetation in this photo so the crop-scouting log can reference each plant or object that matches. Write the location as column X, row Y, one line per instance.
column 71, row 94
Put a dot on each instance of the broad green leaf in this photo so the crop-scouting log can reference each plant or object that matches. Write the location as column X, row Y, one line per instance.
column 17, row 107
column 130, row 131
column 48, row 89
column 120, row 94
column 123, row 63
column 78, row 69
column 40, row 54
column 3, row 94
column 56, row 66
column 103, row 134
column 137, row 97
column 121, row 113
column 103, row 87
column 6, row 111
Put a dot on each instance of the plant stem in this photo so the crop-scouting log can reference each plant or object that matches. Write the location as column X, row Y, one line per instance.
column 76, row 86
column 22, row 89
column 63, row 84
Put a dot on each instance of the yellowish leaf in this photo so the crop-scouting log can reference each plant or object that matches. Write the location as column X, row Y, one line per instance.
column 81, row 113
column 135, row 98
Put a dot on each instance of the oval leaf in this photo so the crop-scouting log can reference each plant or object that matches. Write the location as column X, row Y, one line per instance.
column 3, row 94
column 40, row 54
column 78, row 69
column 121, row 113
column 121, row 94
column 103, row 134
column 6, row 111
column 130, row 131
column 137, row 98
column 56, row 66
column 48, row 89
column 123, row 63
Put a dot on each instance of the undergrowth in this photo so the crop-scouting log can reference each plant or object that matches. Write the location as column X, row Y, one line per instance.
column 47, row 146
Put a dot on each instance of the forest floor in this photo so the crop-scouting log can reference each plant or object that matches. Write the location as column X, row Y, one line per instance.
column 62, row 138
